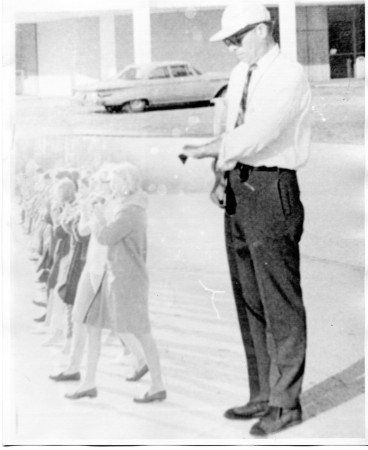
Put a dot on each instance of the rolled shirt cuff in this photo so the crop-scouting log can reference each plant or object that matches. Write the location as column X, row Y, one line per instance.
column 222, row 163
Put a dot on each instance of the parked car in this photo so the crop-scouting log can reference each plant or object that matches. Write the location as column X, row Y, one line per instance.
column 140, row 86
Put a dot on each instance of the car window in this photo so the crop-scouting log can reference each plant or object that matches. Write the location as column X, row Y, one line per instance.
column 159, row 72
column 179, row 70
column 133, row 73
column 196, row 71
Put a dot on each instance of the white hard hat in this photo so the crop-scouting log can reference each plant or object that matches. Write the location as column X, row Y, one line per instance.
column 239, row 15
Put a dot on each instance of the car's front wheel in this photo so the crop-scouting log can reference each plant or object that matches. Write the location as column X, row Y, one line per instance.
column 113, row 109
column 222, row 93
column 135, row 106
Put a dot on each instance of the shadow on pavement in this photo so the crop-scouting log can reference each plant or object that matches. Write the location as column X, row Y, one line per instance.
column 161, row 108
column 334, row 391
column 180, row 106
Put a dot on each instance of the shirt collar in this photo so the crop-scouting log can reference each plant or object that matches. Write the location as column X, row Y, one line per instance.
column 267, row 59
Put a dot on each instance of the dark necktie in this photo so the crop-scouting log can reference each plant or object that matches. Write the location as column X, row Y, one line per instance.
column 220, row 194
column 243, row 100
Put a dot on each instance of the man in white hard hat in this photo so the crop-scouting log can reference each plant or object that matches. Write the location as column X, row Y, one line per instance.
column 266, row 140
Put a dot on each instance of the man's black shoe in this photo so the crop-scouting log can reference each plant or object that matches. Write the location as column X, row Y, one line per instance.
column 249, row 411
column 40, row 319
column 277, row 419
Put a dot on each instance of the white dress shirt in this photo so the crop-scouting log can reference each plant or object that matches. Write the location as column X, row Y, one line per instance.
column 276, row 128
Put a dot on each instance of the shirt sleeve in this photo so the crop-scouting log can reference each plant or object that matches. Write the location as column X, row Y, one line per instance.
column 116, row 229
column 265, row 119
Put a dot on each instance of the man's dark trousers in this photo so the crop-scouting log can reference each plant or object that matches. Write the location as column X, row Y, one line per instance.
column 263, row 227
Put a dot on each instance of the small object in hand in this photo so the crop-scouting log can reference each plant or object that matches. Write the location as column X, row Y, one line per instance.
column 183, row 158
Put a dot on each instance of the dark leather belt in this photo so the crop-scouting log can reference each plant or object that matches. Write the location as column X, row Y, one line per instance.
column 245, row 167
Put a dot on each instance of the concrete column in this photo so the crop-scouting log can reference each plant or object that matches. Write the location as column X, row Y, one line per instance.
column 107, row 46
column 318, row 48
column 287, row 19
column 26, row 59
column 55, row 45
column 142, row 31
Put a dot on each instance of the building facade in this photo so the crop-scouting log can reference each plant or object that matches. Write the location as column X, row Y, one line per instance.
column 58, row 50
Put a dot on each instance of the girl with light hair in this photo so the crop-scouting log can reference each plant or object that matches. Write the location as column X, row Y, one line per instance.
column 121, row 302
column 98, row 190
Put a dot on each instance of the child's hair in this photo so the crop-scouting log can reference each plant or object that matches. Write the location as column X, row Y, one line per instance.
column 71, row 174
column 130, row 175
column 66, row 189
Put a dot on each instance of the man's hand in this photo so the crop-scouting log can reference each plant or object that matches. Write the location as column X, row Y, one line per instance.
column 208, row 150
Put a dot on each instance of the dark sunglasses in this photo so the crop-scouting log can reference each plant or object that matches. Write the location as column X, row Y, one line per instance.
column 237, row 38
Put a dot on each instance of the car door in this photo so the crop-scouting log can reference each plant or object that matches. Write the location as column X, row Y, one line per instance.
column 160, row 86
column 189, row 83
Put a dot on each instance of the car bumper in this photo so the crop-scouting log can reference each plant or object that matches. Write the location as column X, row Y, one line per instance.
column 89, row 99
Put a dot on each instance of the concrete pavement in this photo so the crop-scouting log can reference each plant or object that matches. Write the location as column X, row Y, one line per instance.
column 195, row 323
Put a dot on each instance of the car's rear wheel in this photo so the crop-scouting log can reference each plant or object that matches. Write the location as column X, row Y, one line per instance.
column 135, row 106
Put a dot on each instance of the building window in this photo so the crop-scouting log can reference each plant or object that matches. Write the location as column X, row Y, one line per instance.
column 346, row 38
